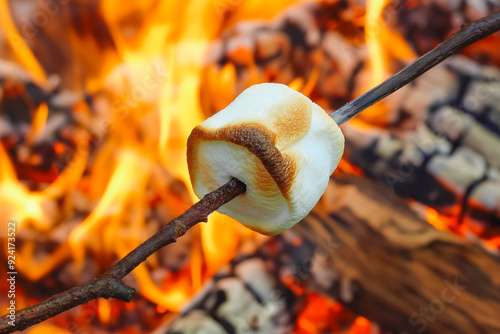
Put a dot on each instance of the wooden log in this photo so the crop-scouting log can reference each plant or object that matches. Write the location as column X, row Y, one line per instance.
column 363, row 246
column 393, row 268
column 448, row 16
column 443, row 134
column 245, row 296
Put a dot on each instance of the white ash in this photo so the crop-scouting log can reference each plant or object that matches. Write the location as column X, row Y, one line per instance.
column 242, row 298
column 449, row 155
column 459, row 170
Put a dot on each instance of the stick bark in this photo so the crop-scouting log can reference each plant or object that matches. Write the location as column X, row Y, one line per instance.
column 469, row 34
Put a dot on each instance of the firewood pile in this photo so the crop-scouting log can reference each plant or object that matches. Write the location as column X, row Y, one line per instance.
column 447, row 17
column 363, row 247
column 75, row 129
column 38, row 155
column 445, row 158
column 322, row 47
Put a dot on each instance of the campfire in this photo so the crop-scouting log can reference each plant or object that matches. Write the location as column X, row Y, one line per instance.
column 98, row 99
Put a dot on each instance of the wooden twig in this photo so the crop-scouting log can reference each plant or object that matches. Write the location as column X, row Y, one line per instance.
column 469, row 34
column 108, row 285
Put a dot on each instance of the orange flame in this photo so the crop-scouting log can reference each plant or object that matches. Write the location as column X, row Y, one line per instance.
column 38, row 124
column 46, row 328
column 322, row 315
column 18, row 44
column 384, row 46
column 383, row 42
column 17, row 201
column 145, row 104
column 374, row 30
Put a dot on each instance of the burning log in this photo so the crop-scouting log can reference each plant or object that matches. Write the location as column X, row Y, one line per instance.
column 320, row 48
column 363, row 246
column 246, row 295
column 447, row 144
column 447, row 16
column 420, row 279
column 311, row 40
column 37, row 126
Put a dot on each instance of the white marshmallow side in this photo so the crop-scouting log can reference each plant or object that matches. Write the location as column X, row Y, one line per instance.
column 320, row 152
column 260, row 208
column 257, row 103
column 306, row 137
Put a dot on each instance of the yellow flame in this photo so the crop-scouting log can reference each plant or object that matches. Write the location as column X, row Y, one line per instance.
column 172, row 298
column 221, row 231
column 384, row 46
column 34, row 265
column 296, row 84
column 37, row 209
column 18, row 44
column 127, row 182
column 19, row 203
column 104, row 310
column 374, row 29
column 38, row 124
column 46, row 329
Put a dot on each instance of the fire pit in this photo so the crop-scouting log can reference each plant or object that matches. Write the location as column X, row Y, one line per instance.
column 98, row 98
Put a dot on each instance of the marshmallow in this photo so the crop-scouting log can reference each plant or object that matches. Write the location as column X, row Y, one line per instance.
column 279, row 143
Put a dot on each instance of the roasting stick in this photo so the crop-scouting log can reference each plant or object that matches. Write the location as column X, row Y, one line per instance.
column 469, row 34
column 108, row 285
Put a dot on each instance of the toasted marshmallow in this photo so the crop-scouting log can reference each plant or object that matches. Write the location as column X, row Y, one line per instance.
column 279, row 143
